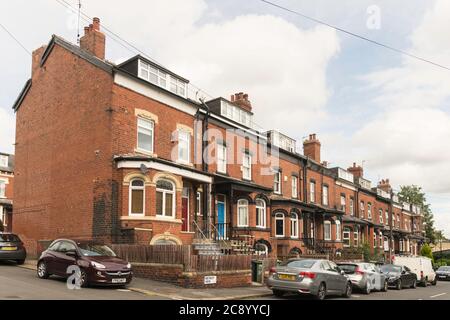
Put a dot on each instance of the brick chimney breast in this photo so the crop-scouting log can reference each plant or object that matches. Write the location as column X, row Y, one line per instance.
column 385, row 185
column 242, row 101
column 94, row 40
column 311, row 148
column 356, row 170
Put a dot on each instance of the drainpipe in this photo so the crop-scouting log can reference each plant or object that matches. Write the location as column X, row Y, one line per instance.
column 391, row 209
column 205, row 168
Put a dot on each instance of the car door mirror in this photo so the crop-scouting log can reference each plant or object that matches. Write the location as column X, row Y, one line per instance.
column 342, row 272
column 404, row 272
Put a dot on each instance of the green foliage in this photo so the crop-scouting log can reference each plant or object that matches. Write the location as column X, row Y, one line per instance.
column 426, row 252
column 441, row 263
column 365, row 250
column 415, row 196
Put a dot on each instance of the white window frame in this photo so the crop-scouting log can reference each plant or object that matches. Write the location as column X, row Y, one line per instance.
column 351, row 206
column 294, row 226
column 134, row 188
column 243, row 218
column 369, row 211
column 277, row 188
column 325, row 195
column 150, row 128
column 279, row 217
column 362, row 208
column 343, row 203
column 338, row 230
column 222, row 158
column 346, row 237
column 387, row 217
column 247, row 166
column 164, row 193
column 327, row 236
column 2, row 189
column 3, row 216
column 261, row 214
column 381, row 216
column 355, row 238
column 184, row 141
column 312, row 192
column 294, row 182
column 162, row 78
column 3, row 161
column 198, row 198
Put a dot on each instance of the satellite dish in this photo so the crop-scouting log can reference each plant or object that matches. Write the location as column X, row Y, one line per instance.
column 144, row 169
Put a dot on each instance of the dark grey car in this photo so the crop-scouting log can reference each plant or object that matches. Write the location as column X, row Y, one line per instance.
column 11, row 248
column 318, row 278
column 443, row 273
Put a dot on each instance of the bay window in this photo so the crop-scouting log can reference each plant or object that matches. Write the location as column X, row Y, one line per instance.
column 242, row 213
column 137, row 198
column 165, row 199
column 327, row 230
column 294, row 225
column 338, row 230
column 346, row 237
column 261, row 214
column 279, row 225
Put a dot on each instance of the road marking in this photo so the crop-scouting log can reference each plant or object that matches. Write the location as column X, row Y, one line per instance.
column 438, row 295
column 356, row 296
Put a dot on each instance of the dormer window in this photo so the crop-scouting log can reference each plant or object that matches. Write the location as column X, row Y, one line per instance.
column 236, row 114
column 162, row 78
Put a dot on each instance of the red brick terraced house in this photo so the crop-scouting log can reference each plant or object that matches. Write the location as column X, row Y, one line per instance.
column 122, row 153
column 6, row 191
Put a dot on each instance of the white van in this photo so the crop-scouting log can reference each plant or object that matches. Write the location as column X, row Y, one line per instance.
column 421, row 266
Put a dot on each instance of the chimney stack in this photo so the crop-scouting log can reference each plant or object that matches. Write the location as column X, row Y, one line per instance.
column 94, row 40
column 311, row 148
column 385, row 185
column 356, row 170
column 242, row 101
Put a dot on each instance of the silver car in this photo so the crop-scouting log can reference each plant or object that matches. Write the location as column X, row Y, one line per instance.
column 318, row 278
column 365, row 276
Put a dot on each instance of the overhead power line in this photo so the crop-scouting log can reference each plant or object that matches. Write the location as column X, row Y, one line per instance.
column 15, row 39
column 386, row 46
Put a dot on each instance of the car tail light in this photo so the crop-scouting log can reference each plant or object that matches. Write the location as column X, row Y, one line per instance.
column 310, row 275
column 421, row 274
column 359, row 271
column 272, row 271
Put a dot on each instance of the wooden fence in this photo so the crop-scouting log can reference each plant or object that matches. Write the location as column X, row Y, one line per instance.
column 154, row 254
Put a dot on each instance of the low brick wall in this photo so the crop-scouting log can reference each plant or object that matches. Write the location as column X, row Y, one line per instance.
column 175, row 274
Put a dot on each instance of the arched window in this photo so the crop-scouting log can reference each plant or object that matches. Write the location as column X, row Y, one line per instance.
column 261, row 213
column 243, row 213
column 327, row 230
column 338, row 231
column 294, row 226
column 261, row 249
column 137, row 196
column 165, row 199
column 279, row 225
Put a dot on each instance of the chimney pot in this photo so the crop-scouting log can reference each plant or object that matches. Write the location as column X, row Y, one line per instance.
column 96, row 24
column 94, row 42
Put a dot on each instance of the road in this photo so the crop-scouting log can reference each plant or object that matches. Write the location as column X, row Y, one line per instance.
column 439, row 292
column 18, row 283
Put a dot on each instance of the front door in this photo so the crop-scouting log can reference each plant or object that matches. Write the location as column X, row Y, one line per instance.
column 185, row 210
column 221, row 220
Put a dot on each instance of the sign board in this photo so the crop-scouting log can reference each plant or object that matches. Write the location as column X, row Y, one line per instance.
column 210, row 280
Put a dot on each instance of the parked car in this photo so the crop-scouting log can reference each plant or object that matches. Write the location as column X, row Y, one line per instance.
column 443, row 273
column 11, row 248
column 98, row 263
column 422, row 267
column 315, row 277
column 365, row 276
column 399, row 276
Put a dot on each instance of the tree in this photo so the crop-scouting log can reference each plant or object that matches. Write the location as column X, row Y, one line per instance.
column 415, row 196
column 426, row 251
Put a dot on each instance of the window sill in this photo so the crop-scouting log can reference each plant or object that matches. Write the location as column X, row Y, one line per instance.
column 135, row 218
column 168, row 220
column 147, row 153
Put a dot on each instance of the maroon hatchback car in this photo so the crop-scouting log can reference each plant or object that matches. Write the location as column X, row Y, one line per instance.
column 98, row 264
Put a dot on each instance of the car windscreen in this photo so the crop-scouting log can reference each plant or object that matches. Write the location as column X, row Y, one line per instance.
column 391, row 268
column 9, row 238
column 348, row 268
column 444, row 269
column 95, row 250
column 303, row 264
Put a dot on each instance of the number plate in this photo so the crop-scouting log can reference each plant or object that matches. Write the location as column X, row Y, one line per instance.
column 119, row 280
column 287, row 277
column 9, row 249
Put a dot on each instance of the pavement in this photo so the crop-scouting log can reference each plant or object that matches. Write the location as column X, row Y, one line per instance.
column 162, row 290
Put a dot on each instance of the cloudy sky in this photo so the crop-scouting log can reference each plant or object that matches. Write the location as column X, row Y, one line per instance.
column 367, row 104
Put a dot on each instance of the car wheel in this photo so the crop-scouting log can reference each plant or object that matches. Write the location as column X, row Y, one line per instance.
column 414, row 284
column 434, row 282
column 42, row 270
column 385, row 287
column 20, row 262
column 83, row 279
column 322, row 292
column 348, row 291
column 367, row 289
column 399, row 285
column 278, row 293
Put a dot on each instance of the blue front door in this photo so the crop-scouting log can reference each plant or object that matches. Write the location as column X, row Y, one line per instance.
column 221, row 220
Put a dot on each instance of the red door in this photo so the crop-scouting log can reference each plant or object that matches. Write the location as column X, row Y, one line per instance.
column 185, row 214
